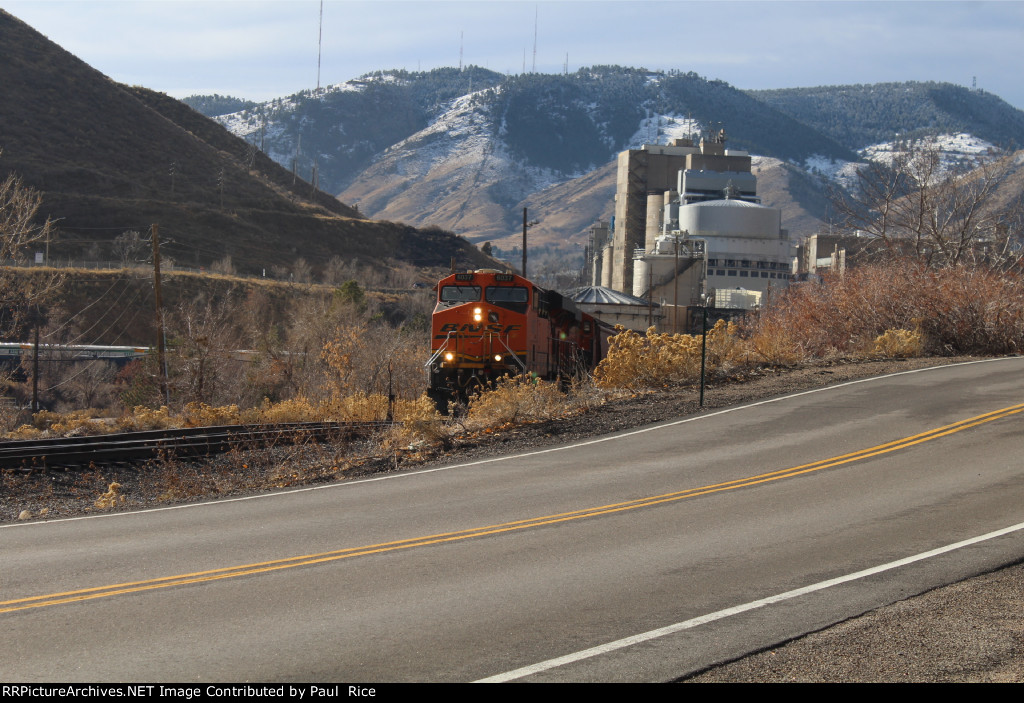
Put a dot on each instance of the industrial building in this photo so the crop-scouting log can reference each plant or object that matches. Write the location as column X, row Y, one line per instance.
column 688, row 222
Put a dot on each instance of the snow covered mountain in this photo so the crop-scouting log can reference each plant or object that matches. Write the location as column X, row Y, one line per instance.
column 468, row 150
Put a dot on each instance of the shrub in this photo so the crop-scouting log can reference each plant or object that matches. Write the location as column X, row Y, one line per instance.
column 956, row 310
column 143, row 418
column 201, row 414
column 898, row 344
column 654, row 359
column 516, row 399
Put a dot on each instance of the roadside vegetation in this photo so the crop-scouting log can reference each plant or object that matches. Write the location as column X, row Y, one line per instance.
column 335, row 352
column 341, row 358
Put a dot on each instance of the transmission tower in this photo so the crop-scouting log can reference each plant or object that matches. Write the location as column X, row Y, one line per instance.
column 533, row 69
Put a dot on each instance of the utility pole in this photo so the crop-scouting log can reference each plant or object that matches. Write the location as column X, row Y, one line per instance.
column 161, row 360
column 524, row 242
column 35, row 365
column 650, row 296
column 675, row 286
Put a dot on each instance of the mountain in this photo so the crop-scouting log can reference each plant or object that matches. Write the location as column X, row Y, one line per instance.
column 467, row 151
column 486, row 155
column 859, row 116
column 339, row 130
column 109, row 158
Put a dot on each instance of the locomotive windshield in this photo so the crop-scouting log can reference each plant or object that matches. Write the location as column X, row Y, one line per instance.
column 460, row 294
column 510, row 297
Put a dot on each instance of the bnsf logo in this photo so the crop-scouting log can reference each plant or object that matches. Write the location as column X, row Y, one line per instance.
column 454, row 327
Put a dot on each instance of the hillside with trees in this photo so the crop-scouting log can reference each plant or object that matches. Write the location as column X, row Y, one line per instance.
column 862, row 115
column 108, row 159
column 467, row 150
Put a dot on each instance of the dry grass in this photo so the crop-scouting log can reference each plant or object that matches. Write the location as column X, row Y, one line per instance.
column 955, row 310
column 654, row 359
column 895, row 310
column 515, row 399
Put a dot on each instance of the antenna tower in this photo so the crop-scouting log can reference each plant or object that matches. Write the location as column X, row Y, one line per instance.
column 535, row 16
column 319, row 45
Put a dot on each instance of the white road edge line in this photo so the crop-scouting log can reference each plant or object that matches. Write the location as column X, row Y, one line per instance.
column 599, row 440
column 735, row 610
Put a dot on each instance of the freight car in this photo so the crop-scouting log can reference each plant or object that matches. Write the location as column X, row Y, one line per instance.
column 488, row 324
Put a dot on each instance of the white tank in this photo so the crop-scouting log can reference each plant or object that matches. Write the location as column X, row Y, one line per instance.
column 730, row 218
column 606, row 266
column 641, row 275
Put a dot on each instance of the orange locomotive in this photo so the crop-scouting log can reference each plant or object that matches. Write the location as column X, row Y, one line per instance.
column 489, row 324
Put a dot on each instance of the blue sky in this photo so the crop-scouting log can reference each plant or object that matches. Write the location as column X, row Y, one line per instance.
column 261, row 50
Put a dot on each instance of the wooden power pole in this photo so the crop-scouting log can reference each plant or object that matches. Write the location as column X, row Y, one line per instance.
column 161, row 361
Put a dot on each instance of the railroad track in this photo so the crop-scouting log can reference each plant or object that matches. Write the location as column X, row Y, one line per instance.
column 132, row 447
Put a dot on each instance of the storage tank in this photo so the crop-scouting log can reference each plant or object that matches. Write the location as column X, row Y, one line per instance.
column 606, row 266
column 655, row 206
column 730, row 218
column 641, row 277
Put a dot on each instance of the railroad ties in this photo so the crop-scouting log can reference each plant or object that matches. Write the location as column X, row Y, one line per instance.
column 133, row 447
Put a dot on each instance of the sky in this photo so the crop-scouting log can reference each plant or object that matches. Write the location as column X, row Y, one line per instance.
column 263, row 50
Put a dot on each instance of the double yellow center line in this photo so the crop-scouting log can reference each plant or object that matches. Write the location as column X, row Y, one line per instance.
column 324, row 557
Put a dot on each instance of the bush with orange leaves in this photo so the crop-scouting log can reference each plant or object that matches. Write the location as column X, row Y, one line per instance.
column 953, row 310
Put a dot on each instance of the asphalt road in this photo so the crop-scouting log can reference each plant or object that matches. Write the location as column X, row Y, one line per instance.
column 641, row 556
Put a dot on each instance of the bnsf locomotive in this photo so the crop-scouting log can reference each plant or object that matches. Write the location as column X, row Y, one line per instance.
column 489, row 324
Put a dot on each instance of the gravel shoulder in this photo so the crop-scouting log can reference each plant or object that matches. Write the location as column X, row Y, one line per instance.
column 972, row 631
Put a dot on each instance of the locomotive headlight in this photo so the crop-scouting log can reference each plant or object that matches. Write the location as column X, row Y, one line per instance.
column 497, row 357
column 449, row 357
column 478, row 314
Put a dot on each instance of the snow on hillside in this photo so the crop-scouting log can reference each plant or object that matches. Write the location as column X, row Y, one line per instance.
column 249, row 124
column 662, row 129
column 463, row 137
column 835, row 170
column 957, row 150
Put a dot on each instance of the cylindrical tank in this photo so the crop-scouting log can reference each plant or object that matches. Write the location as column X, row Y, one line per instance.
column 606, row 266
column 641, row 276
column 655, row 206
column 730, row 218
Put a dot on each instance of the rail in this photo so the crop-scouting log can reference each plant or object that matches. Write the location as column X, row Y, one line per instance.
column 129, row 447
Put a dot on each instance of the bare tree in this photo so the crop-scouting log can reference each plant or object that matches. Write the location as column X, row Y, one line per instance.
column 301, row 271
column 129, row 247
column 88, row 384
column 224, row 266
column 336, row 271
column 18, row 226
column 202, row 352
column 914, row 205
column 20, row 232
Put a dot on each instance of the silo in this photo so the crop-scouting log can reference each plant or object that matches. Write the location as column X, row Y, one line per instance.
column 655, row 207
column 606, row 266
column 641, row 277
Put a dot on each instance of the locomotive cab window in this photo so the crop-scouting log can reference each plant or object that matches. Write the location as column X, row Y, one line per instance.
column 453, row 295
column 514, row 298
